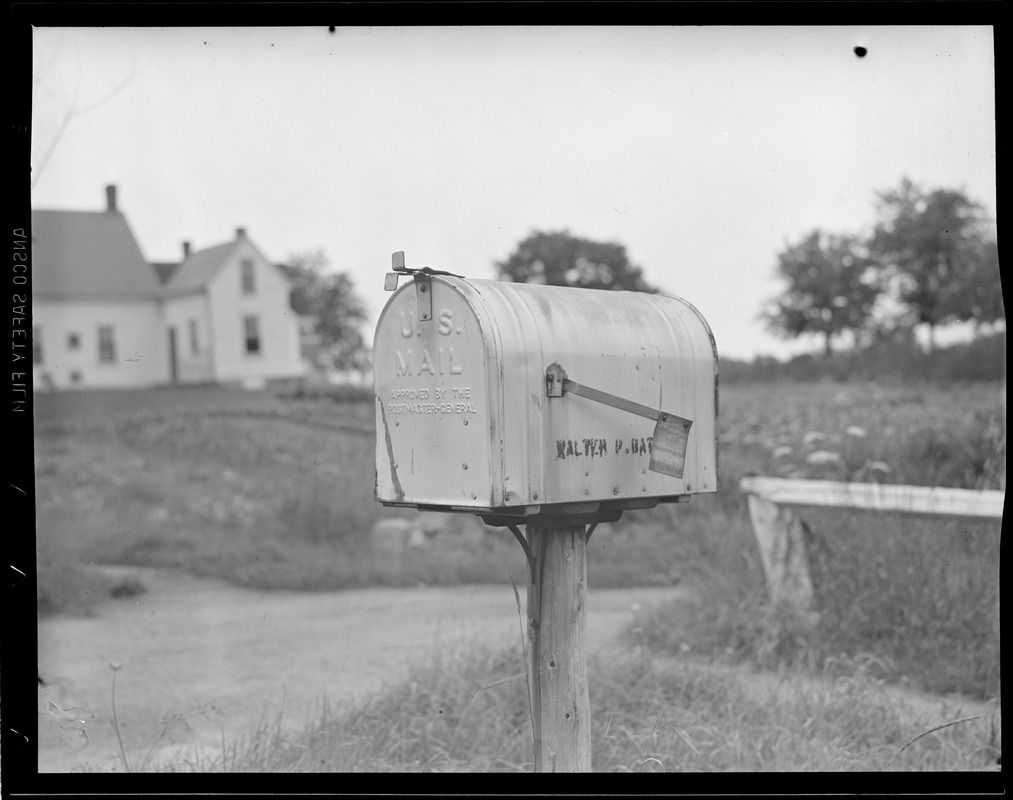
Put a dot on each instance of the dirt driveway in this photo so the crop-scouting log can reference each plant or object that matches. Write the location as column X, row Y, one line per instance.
column 211, row 660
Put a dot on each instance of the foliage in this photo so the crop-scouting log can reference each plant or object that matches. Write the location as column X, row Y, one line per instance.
column 828, row 291
column 329, row 297
column 895, row 360
column 930, row 259
column 978, row 297
column 935, row 244
column 558, row 258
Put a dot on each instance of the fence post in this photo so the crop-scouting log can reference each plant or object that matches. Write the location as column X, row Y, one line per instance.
column 781, row 541
column 557, row 664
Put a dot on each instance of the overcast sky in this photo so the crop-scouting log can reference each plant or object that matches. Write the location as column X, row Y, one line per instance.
column 703, row 150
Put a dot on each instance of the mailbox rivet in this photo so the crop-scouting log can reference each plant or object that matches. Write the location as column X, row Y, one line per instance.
column 464, row 465
column 586, row 474
column 586, row 492
column 466, row 422
column 615, row 490
column 422, row 288
column 535, row 496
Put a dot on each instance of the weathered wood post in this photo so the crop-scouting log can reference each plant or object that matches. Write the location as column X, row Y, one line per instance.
column 557, row 662
column 781, row 542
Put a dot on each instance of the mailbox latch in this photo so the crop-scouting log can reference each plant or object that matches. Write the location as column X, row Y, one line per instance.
column 671, row 434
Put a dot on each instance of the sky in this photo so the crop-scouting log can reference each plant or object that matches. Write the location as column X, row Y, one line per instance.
column 703, row 150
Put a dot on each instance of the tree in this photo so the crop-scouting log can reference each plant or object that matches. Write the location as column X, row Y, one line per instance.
column 935, row 244
column 978, row 297
column 329, row 297
column 52, row 110
column 830, row 288
column 559, row 259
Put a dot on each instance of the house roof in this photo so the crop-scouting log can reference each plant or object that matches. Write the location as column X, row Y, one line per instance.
column 164, row 270
column 88, row 255
column 197, row 269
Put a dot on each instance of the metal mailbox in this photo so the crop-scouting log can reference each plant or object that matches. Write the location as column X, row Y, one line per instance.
column 519, row 401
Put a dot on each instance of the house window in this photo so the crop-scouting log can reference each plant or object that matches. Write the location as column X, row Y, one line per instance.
column 106, row 346
column 73, row 341
column 247, row 267
column 251, row 328
column 194, row 344
column 36, row 345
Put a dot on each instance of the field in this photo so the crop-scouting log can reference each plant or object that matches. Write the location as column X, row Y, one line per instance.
column 275, row 492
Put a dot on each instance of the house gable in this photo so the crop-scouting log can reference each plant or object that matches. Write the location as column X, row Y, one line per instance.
column 202, row 267
column 88, row 256
column 255, row 329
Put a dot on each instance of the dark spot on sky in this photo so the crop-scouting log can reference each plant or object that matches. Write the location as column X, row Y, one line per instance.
column 860, row 51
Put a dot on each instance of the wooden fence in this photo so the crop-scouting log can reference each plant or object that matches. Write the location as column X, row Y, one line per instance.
column 773, row 504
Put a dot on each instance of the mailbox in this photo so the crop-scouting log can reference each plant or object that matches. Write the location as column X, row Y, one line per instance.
column 519, row 402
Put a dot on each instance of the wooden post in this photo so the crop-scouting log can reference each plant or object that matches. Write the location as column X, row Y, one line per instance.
column 782, row 550
column 557, row 664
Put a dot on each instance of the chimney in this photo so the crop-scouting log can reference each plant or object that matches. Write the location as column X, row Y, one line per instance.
column 111, row 198
column 186, row 250
column 240, row 233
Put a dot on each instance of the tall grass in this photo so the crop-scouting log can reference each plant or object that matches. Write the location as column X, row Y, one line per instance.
column 918, row 598
column 467, row 711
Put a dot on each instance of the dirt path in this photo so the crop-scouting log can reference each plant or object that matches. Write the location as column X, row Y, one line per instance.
column 200, row 659
column 212, row 659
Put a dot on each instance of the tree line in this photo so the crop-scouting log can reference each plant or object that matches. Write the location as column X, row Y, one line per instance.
column 930, row 258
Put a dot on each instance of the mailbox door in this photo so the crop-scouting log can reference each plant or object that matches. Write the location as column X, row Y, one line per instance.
column 651, row 349
column 434, row 420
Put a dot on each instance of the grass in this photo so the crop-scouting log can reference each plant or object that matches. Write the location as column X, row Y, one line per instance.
column 275, row 492
column 262, row 491
column 467, row 711
column 919, row 600
column 918, row 596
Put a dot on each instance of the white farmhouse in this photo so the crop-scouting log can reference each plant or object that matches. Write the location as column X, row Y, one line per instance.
column 103, row 317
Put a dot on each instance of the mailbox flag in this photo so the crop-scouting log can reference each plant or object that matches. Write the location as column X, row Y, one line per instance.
column 668, row 448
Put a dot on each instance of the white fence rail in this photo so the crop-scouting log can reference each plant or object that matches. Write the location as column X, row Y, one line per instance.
column 779, row 528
